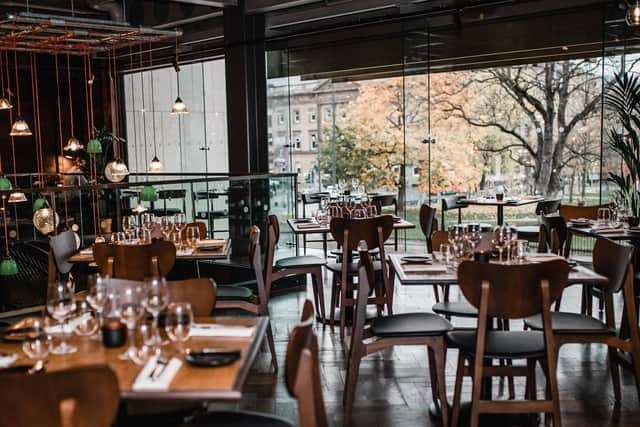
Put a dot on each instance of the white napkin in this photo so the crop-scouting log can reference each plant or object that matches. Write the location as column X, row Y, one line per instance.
column 88, row 251
column 218, row 330
column 162, row 382
column 425, row 268
column 69, row 327
column 7, row 359
column 309, row 225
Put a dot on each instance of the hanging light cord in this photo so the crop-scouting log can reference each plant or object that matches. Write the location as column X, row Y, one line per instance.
column 6, row 234
column 15, row 60
column 73, row 131
column 2, row 72
column 133, row 102
column 144, row 113
column 36, row 116
column 66, row 206
column 87, row 86
column 13, row 145
column 117, row 102
column 153, row 117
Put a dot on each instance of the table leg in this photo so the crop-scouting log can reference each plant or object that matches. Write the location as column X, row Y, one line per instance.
column 500, row 214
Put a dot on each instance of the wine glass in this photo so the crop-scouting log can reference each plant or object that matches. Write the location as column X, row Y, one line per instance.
column 193, row 236
column 180, row 222
column 60, row 305
column 500, row 240
column 36, row 346
column 97, row 297
column 130, row 310
column 86, row 322
column 178, row 322
column 155, row 300
column 166, row 225
column 129, row 225
column 147, row 220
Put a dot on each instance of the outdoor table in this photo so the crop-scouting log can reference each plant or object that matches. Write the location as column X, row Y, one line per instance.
column 500, row 204
column 221, row 383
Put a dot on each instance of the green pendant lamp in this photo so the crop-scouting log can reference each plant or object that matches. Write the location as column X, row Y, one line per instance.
column 5, row 184
column 94, row 146
column 8, row 267
column 148, row 193
column 39, row 203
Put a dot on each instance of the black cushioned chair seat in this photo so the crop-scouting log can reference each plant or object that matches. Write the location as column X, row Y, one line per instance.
column 300, row 261
column 229, row 292
column 455, row 309
column 410, row 325
column 528, row 230
column 240, row 418
column 568, row 323
column 500, row 344
column 353, row 267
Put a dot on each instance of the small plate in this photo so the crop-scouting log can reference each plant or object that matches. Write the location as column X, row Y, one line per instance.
column 416, row 259
column 209, row 248
column 572, row 263
column 302, row 220
column 579, row 223
column 209, row 357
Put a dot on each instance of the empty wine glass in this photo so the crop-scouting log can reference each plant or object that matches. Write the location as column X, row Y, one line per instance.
column 500, row 240
column 166, row 225
column 147, row 220
column 60, row 305
column 178, row 322
column 155, row 300
column 86, row 322
column 193, row 236
column 180, row 222
column 37, row 344
column 97, row 297
column 130, row 311
column 129, row 225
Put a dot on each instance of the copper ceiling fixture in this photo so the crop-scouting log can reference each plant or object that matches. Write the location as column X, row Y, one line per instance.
column 5, row 103
column 116, row 170
column 156, row 165
column 19, row 126
column 73, row 144
column 179, row 107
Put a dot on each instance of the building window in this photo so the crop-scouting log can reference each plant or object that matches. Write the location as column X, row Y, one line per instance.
column 416, row 171
column 296, row 116
column 298, row 169
column 280, row 118
column 270, row 138
column 312, row 115
column 314, row 141
column 297, row 142
column 327, row 113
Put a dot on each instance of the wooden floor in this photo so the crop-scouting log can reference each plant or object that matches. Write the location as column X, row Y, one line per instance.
column 393, row 388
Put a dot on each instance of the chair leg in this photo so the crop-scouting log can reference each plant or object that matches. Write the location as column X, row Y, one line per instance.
column 553, row 388
column 531, row 388
column 437, row 356
column 436, row 293
column 272, row 347
column 316, row 276
column 350, row 386
column 334, row 301
column 343, row 314
column 615, row 373
column 457, row 392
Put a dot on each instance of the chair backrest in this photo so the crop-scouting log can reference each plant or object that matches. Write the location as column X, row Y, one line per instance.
column 255, row 257
column 349, row 232
column 515, row 290
column 200, row 293
column 385, row 200
column 439, row 238
column 81, row 397
column 302, row 375
column 310, row 199
column 553, row 234
column 612, row 261
column 547, row 207
column 572, row 212
column 202, row 229
column 452, row 201
column 135, row 262
column 62, row 246
column 428, row 223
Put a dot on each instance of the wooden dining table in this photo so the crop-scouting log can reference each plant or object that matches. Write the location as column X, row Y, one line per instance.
column 304, row 226
column 500, row 204
column 221, row 383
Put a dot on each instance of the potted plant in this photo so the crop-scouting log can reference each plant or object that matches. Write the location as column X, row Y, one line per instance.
column 622, row 99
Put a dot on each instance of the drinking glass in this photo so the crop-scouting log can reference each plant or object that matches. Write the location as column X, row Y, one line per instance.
column 129, row 225
column 86, row 322
column 522, row 249
column 446, row 253
column 193, row 236
column 166, row 225
column 500, row 240
column 60, row 305
column 178, row 322
column 97, row 297
column 146, row 223
column 155, row 300
column 180, row 222
column 604, row 216
column 176, row 239
column 130, row 309
column 37, row 344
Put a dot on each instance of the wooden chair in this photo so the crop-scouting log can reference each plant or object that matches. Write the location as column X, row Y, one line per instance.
column 553, row 235
column 81, row 397
column 451, row 202
column 531, row 232
column 302, row 378
column 381, row 201
column 349, row 232
column 313, row 199
column 614, row 262
column 508, row 292
column 569, row 212
column 293, row 266
column 254, row 304
column 61, row 247
column 428, row 224
column 425, row 329
column 135, row 262
column 200, row 293
column 202, row 229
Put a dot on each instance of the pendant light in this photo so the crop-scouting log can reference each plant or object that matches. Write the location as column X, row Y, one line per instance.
column 148, row 193
column 45, row 219
column 17, row 197
column 116, row 170
column 156, row 165
column 139, row 209
column 8, row 266
column 94, row 146
column 73, row 145
column 632, row 17
column 5, row 184
column 179, row 107
column 5, row 103
column 20, row 126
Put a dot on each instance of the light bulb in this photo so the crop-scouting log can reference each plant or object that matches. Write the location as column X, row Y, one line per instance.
column 116, row 170
column 155, row 165
column 179, row 107
column 5, row 104
column 17, row 197
column 20, row 128
column 73, row 145
column 633, row 15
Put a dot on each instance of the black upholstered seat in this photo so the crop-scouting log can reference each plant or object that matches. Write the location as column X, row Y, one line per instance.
column 300, row 261
column 570, row 323
column 455, row 309
column 353, row 267
column 500, row 344
column 528, row 231
column 240, row 418
column 410, row 325
column 230, row 292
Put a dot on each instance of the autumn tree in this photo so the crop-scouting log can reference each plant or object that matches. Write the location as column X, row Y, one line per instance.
column 537, row 109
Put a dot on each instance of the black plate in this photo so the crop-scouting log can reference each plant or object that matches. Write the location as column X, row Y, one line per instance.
column 301, row 220
column 572, row 263
column 208, row 357
column 579, row 223
column 210, row 248
column 415, row 259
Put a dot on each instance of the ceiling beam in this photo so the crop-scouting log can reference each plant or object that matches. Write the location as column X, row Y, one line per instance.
column 264, row 6
column 209, row 3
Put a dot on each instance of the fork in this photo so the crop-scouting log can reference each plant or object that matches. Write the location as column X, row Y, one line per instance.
column 161, row 364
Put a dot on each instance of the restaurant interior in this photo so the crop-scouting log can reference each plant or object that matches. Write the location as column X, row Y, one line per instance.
column 319, row 213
